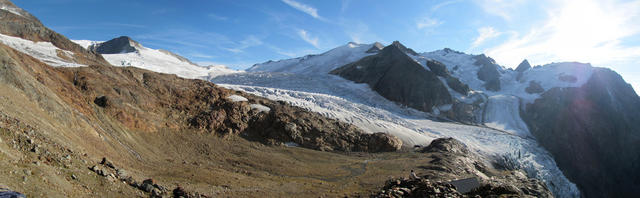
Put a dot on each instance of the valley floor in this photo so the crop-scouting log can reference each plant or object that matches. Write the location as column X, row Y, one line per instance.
column 204, row 163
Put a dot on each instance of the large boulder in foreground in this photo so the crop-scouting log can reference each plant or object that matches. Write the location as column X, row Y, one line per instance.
column 384, row 142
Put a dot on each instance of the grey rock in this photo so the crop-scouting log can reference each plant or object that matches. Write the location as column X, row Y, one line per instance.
column 383, row 142
column 488, row 72
column 534, row 87
column 397, row 77
column 118, row 45
column 592, row 133
column 101, row 101
column 375, row 48
column 523, row 66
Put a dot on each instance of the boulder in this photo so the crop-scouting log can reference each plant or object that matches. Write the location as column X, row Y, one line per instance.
column 101, row 101
column 383, row 142
column 448, row 145
column 534, row 87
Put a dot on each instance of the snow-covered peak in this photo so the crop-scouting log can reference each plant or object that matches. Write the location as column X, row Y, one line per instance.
column 124, row 51
column 320, row 63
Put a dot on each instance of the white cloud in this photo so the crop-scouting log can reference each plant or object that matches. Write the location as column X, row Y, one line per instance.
column 200, row 55
column 501, row 8
column 485, row 33
column 428, row 22
column 585, row 31
column 345, row 5
column 308, row 38
column 313, row 12
column 248, row 42
column 443, row 4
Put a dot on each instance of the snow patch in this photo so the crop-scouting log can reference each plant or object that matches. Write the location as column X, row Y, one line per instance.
column 260, row 108
column 237, row 98
column 14, row 10
column 291, row 144
column 43, row 51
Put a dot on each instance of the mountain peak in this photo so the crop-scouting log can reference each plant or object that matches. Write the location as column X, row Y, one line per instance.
column 375, row 48
column 523, row 66
column 403, row 48
column 122, row 44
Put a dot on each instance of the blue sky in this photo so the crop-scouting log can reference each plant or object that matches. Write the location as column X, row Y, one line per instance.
column 240, row 33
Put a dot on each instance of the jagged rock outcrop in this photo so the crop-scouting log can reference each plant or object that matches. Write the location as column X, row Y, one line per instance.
column 454, row 83
column 404, row 48
column 119, row 45
column 397, row 77
column 593, row 133
column 375, row 48
column 488, row 72
column 523, row 66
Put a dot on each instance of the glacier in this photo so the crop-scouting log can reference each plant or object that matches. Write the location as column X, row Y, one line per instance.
column 503, row 135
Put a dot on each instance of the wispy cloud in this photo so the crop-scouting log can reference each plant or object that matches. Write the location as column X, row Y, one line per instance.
column 428, row 22
column 217, row 17
column 345, row 5
column 484, row 34
column 200, row 55
column 586, row 31
column 443, row 4
column 308, row 38
column 248, row 42
column 501, row 8
column 311, row 11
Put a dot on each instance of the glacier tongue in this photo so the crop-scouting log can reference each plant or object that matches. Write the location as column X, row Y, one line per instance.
column 354, row 103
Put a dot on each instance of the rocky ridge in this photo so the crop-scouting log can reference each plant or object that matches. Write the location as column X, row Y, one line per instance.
column 397, row 77
column 451, row 160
